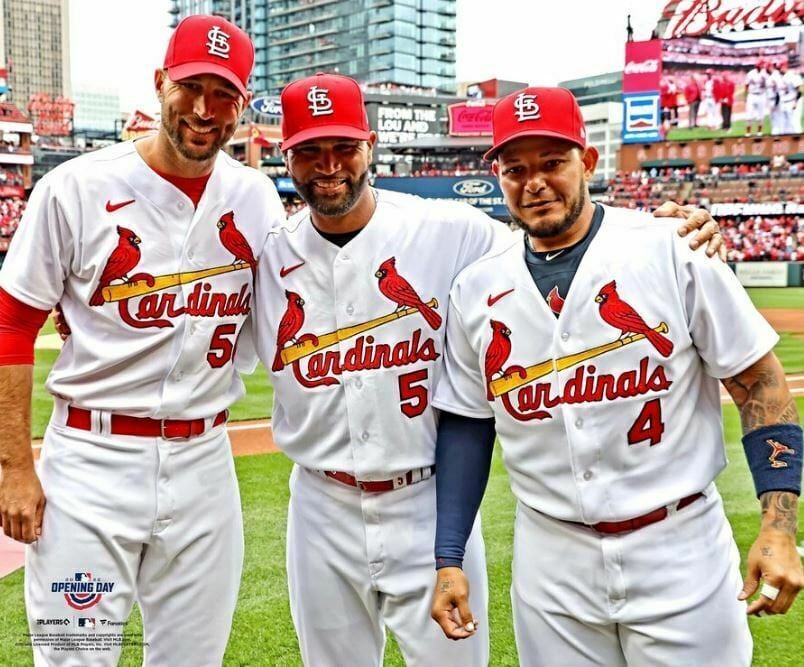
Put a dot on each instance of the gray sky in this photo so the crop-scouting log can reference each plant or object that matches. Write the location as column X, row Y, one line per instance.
column 116, row 45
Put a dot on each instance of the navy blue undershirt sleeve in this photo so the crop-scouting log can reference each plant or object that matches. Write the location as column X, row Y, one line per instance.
column 464, row 446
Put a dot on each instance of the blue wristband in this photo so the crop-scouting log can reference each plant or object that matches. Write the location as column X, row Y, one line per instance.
column 774, row 456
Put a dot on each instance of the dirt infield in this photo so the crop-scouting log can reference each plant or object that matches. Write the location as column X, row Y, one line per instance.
column 785, row 319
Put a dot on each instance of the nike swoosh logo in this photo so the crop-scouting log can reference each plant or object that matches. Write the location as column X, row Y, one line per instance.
column 549, row 256
column 494, row 299
column 113, row 207
column 283, row 272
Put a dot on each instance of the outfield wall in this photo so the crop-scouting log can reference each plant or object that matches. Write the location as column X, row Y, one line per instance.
column 769, row 274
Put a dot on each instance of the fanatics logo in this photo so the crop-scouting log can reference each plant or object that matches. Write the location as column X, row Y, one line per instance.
column 218, row 44
column 320, row 103
column 526, row 107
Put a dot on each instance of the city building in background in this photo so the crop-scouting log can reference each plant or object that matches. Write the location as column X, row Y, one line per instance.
column 598, row 88
column 36, row 49
column 394, row 44
column 96, row 108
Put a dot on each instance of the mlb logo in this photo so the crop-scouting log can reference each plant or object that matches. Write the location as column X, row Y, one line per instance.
column 86, row 623
column 83, row 576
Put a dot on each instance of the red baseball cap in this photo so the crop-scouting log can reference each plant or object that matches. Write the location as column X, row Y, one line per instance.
column 536, row 112
column 203, row 44
column 324, row 105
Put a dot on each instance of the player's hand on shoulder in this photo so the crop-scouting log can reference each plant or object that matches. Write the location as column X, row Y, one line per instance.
column 698, row 220
column 450, row 608
column 22, row 503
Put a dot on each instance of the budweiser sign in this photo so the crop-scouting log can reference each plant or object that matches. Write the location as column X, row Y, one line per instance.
column 470, row 119
column 699, row 17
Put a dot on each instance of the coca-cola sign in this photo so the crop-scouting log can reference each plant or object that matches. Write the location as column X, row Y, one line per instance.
column 470, row 119
column 643, row 66
column 700, row 17
column 646, row 67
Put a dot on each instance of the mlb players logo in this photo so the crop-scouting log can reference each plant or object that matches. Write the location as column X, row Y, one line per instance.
column 526, row 107
column 320, row 103
column 218, row 43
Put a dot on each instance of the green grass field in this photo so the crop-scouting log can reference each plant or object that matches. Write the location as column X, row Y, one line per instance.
column 737, row 130
column 262, row 632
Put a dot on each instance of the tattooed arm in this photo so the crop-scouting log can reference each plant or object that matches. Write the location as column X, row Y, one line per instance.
column 764, row 400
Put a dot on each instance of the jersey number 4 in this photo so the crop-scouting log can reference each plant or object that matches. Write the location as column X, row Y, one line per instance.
column 412, row 394
column 648, row 425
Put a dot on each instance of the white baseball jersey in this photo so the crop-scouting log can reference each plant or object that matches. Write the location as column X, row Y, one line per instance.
column 354, row 394
column 156, row 292
column 755, row 82
column 597, row 423
column 789, row 88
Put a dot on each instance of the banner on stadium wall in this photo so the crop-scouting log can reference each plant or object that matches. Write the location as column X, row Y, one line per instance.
column 12, row 191
column 284, row 185
column 482, row 192
column 643, row 66
column 765, row 208
column 641, row 118
column 762, row 274
column 470, row 119
column 139, row 124
column 699, row 17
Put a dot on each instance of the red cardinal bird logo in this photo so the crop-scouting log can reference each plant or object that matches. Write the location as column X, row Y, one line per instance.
column 555, row 301
column 289, row 326
column 123, row 258
column 397, row 289
column 234, row 241
column 497, row 352
column 620, row 315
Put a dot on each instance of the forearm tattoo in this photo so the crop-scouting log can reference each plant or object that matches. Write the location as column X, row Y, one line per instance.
column 445, row 586
column 781, row 508
column 762, row 398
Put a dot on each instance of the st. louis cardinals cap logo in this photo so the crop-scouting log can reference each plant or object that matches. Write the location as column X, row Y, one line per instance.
column 526, row 107
column 320, row 103
column 218, row 42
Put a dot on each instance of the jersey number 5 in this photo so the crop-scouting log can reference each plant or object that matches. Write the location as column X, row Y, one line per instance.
column 412, row 395
column 648, row 425
column 221, row 347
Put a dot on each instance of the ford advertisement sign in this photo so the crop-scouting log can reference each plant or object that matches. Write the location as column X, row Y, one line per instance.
column 267, row 106
column 482, row 192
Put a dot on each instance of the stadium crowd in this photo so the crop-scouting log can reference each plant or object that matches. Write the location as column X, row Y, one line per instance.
column 11, row 209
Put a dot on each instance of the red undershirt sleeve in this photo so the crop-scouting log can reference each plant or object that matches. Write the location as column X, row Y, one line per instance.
column 19, row 326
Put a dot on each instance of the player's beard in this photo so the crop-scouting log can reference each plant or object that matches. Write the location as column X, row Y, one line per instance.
column 547, row 230
column 172, row 125
column 331, row 206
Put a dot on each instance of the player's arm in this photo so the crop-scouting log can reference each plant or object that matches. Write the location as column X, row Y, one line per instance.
column 772, row 440
column 464, row 446
column 708, row 231
column 22, row 501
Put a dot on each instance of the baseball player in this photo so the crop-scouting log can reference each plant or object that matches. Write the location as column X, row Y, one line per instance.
column 599, row 368
column 148, row 248
column 351, row 319
column 755, row 98
column 789, row 94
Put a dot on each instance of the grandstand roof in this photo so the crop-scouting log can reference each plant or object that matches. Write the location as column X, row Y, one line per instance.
column 739, row 159
column 668, row 162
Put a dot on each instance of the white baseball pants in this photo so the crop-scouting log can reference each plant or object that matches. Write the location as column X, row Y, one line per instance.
column 140, row 518
column 665, row 594
column 360, row 562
